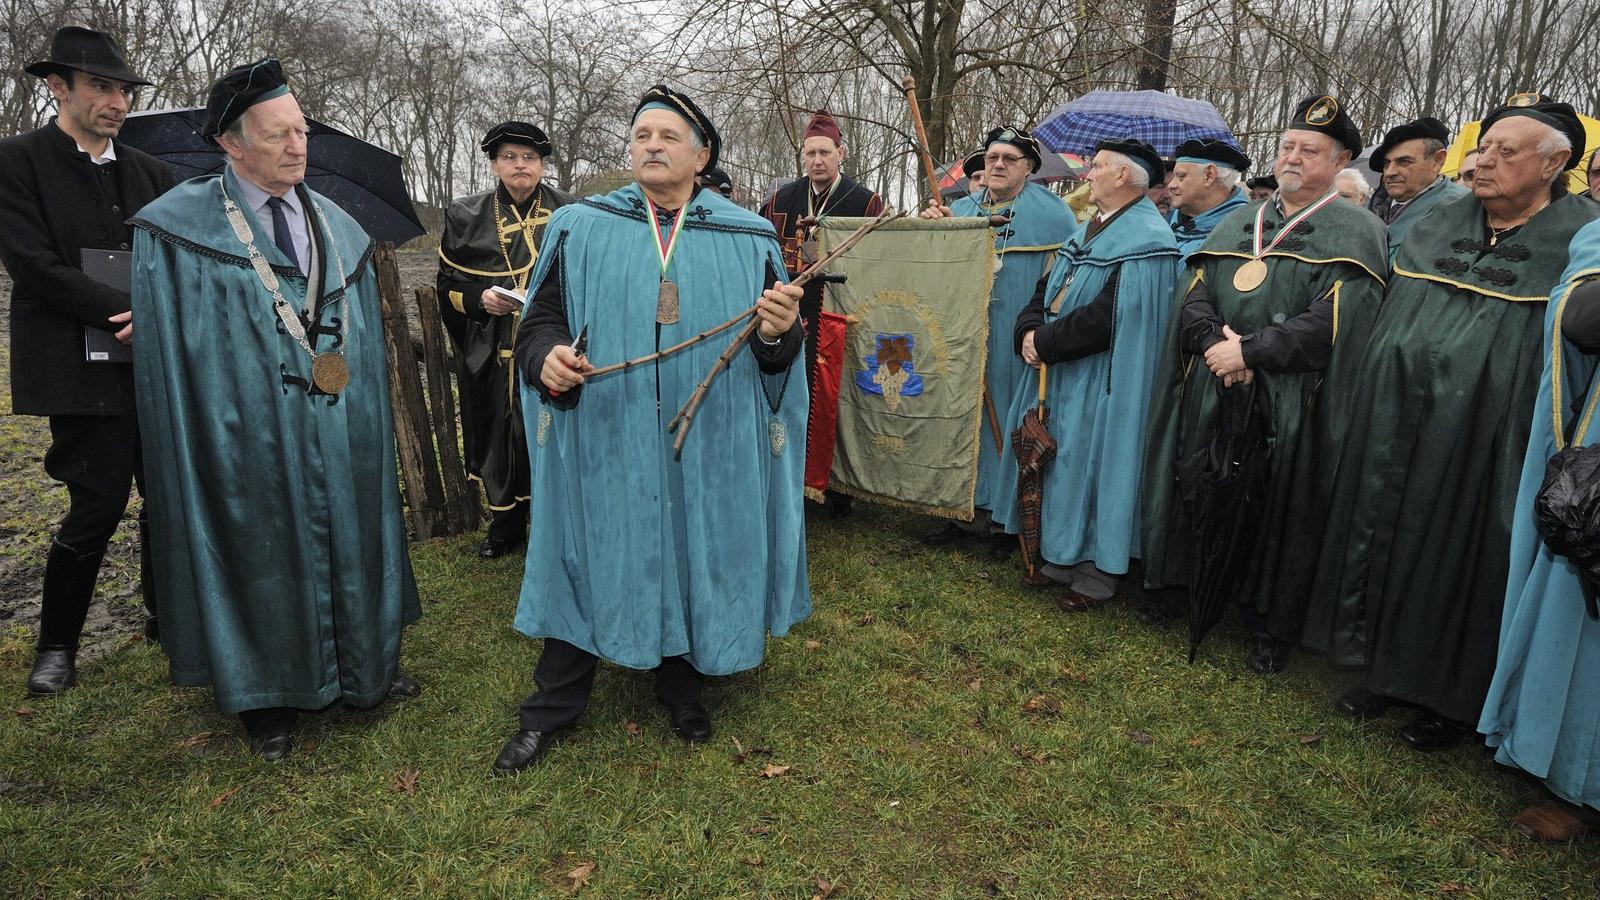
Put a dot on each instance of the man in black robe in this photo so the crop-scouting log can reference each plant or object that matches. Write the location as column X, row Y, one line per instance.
column 795, row 211
column 490, row 242
column 64, row 189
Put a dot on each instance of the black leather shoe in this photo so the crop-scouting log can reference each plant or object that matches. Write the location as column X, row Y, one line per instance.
column 523, row 750
column 404, row 686
column 691, row 722
column 1429, row 732
column 948, row 536
column 1360, row 703
column 1002, row 545
column 271, row 731
column 494, row 548
column 53, row 672
column 1268, row 657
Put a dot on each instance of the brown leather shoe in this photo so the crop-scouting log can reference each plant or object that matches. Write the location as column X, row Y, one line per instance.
column 1074, row 602
column 1038, row 579
column 1555, row 822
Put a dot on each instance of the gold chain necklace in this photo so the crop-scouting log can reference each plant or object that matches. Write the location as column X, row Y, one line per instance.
column 519, row 281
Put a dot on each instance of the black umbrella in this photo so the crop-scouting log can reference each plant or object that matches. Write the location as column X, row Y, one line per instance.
column 1566, row 513
column 1221, row 485
column 364, row 180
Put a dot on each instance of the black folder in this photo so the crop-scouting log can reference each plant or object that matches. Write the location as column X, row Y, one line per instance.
column 113, row 268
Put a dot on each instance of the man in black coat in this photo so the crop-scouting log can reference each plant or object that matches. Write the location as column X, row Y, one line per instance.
column 65, row 188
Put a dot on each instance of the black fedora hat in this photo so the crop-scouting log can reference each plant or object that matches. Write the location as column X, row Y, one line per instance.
column 85, row 50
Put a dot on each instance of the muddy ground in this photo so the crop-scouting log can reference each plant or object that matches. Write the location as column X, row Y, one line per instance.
column 31, row 505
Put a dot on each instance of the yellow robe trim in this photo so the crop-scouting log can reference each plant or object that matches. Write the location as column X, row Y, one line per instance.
column 1555, row 369
column 1320, row 262
column 1440, row 279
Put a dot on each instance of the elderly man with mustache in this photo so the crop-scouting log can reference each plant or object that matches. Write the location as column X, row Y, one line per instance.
column 1276, row 299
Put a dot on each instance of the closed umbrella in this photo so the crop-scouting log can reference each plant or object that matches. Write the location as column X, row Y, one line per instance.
column 1034, row 448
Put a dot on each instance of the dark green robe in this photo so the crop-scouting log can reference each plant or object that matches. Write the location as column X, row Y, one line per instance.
column 1337, row 257
column 280, row 555
column 477, row 251
column 1412, row 575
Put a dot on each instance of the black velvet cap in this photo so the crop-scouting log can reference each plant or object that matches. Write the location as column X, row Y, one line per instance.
column 1560, row 116
column 973, row 164
column 1266, row 181
column 1141, row 153
column 1326, row 114
column 514, row 132
column 1425, row 127
column 1019, row 138
column 239, row 89
column 663, row 97
column 1220, row 152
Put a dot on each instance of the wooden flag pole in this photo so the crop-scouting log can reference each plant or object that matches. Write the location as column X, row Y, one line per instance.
column 910, row 87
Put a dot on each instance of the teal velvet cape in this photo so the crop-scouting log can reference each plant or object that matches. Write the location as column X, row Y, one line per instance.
column 1411, row 575
column 634, row 555
column 1541, row 714
column 1099, row 404
column 281, row 569
column 1040, row 223
column 1191, row 235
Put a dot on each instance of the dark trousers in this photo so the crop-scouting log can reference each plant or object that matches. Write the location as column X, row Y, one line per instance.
column 98, row 459
column 509, row 525
column 565, row 675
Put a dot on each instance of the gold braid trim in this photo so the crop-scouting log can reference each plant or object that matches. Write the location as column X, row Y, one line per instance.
column 1305, row 259
column 1555, row 368
column 1334, row 338
column 1440, row 279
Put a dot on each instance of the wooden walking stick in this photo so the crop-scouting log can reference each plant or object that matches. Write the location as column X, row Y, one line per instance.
column 680, row 422
column 910, row 87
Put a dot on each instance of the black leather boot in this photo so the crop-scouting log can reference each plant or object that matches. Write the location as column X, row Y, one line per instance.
column 68, row 587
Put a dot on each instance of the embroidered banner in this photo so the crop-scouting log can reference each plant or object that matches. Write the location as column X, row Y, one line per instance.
column 911, row 385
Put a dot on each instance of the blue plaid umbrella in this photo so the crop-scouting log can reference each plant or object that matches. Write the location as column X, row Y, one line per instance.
column 1160, row 120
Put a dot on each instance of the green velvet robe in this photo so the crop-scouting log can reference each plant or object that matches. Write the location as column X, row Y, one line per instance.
column 280, row 555
column 1411, row 578
column 1337, row 253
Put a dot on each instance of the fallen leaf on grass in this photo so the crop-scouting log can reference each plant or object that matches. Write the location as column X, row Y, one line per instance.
column 1141, row 738
column 740, row 754
column 975, row 684
column 1039, row 703
column 1454, row 887
column 866, row 619
column 1195, row 741
column 758, row 829
column 632, row 728
column 27, row 712
column 1034, row 756
column 406, row 782
column 813, row 645
column 1309, row 739
column 194, row 740
column 771, row 770
column 222, row 798
column 825, row 889
column 752, row 861
column 580, row 876
column 308, row 746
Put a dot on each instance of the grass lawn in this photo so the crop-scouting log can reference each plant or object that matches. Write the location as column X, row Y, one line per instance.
column 939, row 733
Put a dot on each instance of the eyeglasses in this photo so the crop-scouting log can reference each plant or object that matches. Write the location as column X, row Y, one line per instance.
column 511, row 158
column 992, row 158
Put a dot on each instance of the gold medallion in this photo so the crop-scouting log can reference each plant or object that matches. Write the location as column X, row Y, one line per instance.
column 329, row 372
column 667, row 304
column 1250, row 276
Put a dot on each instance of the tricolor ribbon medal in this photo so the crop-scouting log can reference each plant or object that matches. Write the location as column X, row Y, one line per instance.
column 1253, row 274
column 667, row 297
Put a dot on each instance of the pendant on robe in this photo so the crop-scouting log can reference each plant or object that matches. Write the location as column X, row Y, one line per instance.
column 808, row 250
column 1250, row 276
column 667, row 304
column 329, row 372
column 777, row 434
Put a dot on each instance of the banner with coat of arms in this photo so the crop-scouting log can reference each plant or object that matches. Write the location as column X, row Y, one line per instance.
column 911, row 386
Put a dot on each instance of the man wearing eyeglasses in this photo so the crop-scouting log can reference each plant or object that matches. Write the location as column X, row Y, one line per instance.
column 490, row 242
column 66, row 190
column 1037, row 224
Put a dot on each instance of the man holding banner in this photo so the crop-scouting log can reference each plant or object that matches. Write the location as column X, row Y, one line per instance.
column 1096, row 321
column 1035, row 225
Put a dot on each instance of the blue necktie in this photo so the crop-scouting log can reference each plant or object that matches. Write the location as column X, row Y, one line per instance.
column 280, row 230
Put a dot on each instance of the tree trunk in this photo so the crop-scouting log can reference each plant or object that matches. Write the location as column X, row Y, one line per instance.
column 1155, row 51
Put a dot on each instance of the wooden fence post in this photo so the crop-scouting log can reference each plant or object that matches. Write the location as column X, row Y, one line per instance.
column 413, row 432
column 462, row 509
